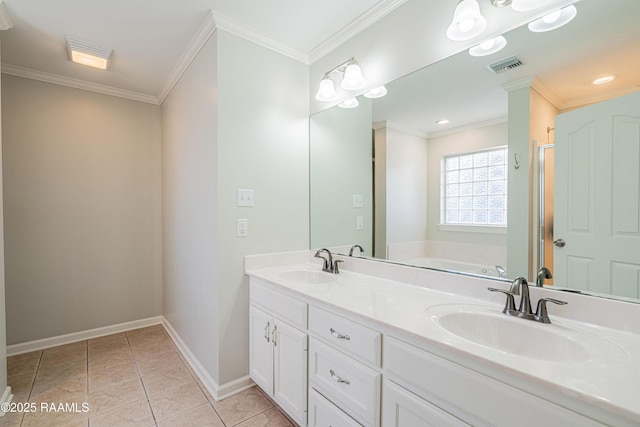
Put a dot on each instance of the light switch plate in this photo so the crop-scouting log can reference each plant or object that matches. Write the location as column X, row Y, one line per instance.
column 359, row 223
column 245, row 197
column 358, row 201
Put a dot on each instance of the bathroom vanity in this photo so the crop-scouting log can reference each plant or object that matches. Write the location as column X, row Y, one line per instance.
column 388, row 345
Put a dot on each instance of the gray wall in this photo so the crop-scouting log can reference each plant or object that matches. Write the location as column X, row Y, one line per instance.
column 82, row 209
column 237, row 119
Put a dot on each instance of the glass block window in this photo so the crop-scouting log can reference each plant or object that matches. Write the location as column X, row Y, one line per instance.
column 474, row 188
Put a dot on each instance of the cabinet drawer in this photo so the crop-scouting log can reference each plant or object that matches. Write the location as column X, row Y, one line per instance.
column 323, row 413
column 279, row 304
column 349, row 384
column 402, row 408
column 470, row 395
column 357, row 340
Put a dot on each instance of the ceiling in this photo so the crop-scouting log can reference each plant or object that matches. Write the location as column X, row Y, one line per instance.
column 603, row 39
column 150, row 38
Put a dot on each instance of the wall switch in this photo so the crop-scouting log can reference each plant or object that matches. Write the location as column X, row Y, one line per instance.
column 242, row 229
column 245, row 197
column 359, row 223
column 358, row 201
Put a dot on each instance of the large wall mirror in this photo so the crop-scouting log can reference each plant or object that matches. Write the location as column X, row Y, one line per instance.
column 379, row 172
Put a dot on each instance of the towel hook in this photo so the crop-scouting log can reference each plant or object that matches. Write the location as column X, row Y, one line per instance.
column 515, row 157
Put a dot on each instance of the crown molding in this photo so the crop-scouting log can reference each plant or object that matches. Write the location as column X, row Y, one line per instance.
column 400, row 128
column 78, row 84
column 196, row 44
column 236, row 28
column 469, row 126
column 517, row 84
column 5, row 21
column 356, row 26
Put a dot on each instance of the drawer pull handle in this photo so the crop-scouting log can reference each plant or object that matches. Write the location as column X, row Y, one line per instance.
column 266, row 332
column 339, row 379
column 274, row 335
column 339, row 335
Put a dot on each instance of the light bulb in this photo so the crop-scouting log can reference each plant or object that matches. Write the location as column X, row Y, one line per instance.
column 327, row 90
column 349, row 103
column 552, row 17
column 553, row 20
column 376, row 92
column 353, row 79
column 467, row 21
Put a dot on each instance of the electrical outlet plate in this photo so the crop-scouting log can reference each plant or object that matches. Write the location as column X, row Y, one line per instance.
column 359, row 223
column 242, row 228
column 358, row 201
column 245, row 197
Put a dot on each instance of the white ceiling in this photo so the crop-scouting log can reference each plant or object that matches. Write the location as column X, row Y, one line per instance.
column 149, row 38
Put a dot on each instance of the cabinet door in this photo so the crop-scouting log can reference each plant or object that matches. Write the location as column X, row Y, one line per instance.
column 290, row 370
column 261, row 349
column 401, row 408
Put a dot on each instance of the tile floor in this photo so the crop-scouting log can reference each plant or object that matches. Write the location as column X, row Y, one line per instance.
column 134, row 378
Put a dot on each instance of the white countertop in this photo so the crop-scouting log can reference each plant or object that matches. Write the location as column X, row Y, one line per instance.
column 611, row 382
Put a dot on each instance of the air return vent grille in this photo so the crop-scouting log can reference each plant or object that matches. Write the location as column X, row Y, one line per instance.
column 505, row 65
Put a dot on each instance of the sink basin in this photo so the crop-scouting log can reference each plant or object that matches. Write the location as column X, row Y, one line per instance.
column 308, row 276
column 489, row 327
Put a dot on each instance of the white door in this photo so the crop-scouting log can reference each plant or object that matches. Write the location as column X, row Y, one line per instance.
column 261, row 349
column 290, row 371
column 597, row 197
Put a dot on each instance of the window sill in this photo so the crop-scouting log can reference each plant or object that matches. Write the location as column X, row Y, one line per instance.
column 488, row 229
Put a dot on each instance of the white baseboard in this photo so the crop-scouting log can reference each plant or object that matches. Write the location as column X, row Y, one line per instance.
column 26, row 347
column 217, row 391
column 6, row 398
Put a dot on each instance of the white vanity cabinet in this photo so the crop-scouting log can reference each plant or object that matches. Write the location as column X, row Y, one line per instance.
column 440, row 386
column 344, row 366
column 278, row 348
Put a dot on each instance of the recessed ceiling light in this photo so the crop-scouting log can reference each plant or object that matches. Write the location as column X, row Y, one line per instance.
column 442, row 122
column 87, row 54
column 603, row 80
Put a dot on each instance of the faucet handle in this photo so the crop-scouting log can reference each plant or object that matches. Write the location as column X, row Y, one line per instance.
column 510, row 305
column 541, row 311
column 336, row 270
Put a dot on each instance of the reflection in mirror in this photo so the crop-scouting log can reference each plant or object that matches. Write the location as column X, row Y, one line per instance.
column 394, row 206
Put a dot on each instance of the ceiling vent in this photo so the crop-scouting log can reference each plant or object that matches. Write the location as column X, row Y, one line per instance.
column 505, row 65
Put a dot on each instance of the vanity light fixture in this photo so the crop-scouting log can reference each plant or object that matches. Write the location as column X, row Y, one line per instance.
column 351, row 80
column 349, row 103
column 376, row 92
column 553, row 20
column 488, row 47
column 467, row 21
column 87, row 54
column 604, row 80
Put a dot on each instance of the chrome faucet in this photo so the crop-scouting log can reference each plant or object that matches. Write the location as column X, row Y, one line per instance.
column 521, row 287
column 355, row 247
column 543, row 273
column 328, row 265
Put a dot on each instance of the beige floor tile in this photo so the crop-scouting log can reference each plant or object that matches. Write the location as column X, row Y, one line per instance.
column 11, row 420
column 168, row 360
column 59, row 388
column 113, row 357
column 169, row 403
column 113, row 338
column 202, row 416
column 114, row 397
column 137, row 414
column 67, row 369
column 72, row 416
column 21, row 386
column 111, row 376
column 23, row 363
column 64, row 353
column 242, row 406
column 271, row 418
column 152, row 350
column 166, row 379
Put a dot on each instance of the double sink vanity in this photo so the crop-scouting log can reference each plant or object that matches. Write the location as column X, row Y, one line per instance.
column 381, row 344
